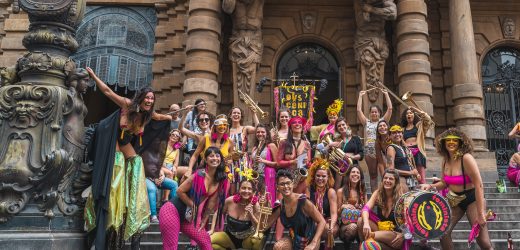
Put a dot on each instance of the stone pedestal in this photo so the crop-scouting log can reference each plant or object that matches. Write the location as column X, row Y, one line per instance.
column 203, row 53
column 468, row 112
column 30, row 230
column 413, row 52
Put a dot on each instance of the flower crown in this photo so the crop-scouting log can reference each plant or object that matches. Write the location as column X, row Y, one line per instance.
column 247, row 173
column 335, row 107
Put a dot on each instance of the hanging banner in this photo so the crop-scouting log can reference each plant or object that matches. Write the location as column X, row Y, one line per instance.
column 299, row 100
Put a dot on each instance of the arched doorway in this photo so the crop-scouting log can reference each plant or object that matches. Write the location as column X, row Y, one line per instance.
column 312, row 61
column 117, row 43
column 501, row 87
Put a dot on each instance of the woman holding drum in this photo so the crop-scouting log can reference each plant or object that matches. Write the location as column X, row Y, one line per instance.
column 351, row 198
column 381, row 225
column 461, row 175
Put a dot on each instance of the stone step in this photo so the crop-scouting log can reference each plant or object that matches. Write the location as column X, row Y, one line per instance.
column 499, row 244
column 492, row 225
column 493, row 234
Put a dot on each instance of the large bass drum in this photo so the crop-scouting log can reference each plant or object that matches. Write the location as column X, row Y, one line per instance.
column 426, row 214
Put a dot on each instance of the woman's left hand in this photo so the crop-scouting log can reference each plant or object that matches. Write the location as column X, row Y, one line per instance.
column 249, row 209
column 311, row 246
column 481, row 219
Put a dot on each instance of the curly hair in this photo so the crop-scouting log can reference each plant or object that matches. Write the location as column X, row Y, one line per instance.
column 267, row 134
column 210, row 116
column 404, row 120
column 317, row 165
column 396, row 189
column 284, row 173
column 465, row 143
column 360, row 187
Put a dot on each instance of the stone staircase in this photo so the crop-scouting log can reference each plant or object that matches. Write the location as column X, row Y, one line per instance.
column 506, row 205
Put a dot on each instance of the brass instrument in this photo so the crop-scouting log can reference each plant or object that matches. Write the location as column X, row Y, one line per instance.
column 275, row 131
column 300, row 174
column 258, row 153
column 252, row 104
column 265, row 211
column 336, row 157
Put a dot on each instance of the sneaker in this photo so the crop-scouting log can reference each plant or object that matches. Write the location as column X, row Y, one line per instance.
column 154, row 219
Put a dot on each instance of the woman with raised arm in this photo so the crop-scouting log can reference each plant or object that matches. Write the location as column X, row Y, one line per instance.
column 241, row 212
column 416, row 124
column 263, row 156
column 351, row 198
column 382, row 142
column 119, row 175
column 398, row 156
column 282, row 126
column 333, row 111
column 298, row 214
column 200, row 196
column 460, row 173
column 239, row 135
column 204, row 121
column 381, row 224
column 322, row 194
column 370, row 132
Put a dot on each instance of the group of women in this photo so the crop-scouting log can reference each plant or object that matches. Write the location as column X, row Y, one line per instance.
column 233, row 192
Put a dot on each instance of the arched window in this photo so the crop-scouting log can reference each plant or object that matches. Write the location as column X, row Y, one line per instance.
column 501, row 86
column 312, row 61
column 117, row 43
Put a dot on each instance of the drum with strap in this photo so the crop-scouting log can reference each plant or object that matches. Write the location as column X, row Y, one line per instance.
column 426, row 214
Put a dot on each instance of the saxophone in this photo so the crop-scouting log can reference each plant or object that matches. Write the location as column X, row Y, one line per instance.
column 275, row 131
column 258, row 153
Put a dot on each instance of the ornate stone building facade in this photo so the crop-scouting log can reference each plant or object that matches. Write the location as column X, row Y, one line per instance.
column 452, row 54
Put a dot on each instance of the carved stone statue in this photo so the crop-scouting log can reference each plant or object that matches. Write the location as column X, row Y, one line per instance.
column 508, row 28
column 246, row 46
column 41, row 116
column 370, row 46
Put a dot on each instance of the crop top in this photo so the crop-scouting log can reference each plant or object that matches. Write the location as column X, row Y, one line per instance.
column 457, row 179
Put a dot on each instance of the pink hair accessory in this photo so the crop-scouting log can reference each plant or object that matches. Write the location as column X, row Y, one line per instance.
column 297, row 119
column 254, row 200
column 236, row 198
column 177, row 145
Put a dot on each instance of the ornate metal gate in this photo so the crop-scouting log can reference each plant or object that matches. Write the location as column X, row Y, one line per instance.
column 501, row 85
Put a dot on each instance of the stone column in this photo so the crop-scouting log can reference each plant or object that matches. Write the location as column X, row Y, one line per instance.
column 468, row 112
column 202, row 53
column 413, row 52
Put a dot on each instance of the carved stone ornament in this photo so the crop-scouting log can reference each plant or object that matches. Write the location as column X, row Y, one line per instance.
column 508, row 28
column 42, row 161
column 309, row 21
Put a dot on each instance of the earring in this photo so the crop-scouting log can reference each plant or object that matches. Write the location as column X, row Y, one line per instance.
column 138, row 109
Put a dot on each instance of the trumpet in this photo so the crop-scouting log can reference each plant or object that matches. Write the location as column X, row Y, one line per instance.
column 265, row 211
column 407, row 97
column 336, row 157
column 252, row 104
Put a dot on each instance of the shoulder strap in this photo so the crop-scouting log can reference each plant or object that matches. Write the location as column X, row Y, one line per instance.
column 463, row 175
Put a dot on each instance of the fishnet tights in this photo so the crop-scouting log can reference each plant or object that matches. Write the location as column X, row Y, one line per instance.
column 171, row 225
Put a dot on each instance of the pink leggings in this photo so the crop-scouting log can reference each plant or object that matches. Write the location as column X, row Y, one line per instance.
column 171, row 225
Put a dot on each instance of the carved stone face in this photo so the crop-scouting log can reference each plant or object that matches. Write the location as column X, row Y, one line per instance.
column 82, row 85
column 25, row 111
column 308, row 21
column 509, row 28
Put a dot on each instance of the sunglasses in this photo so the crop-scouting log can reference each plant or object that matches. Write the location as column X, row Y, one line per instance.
column 297, row 122
column 204, row 120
